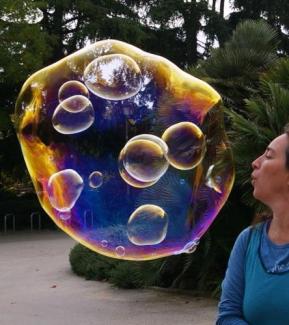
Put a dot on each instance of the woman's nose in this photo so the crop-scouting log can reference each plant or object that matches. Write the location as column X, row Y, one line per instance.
column 256, row 163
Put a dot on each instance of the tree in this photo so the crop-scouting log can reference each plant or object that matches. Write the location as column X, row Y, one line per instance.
column 234, row 70
column 265, row 117
column 24, row 50
column 24, row 47
column 274, row 12
column 178, row 24
column 71, row 24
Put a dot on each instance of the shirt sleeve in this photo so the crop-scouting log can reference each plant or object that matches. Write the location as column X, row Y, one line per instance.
column 231, row 303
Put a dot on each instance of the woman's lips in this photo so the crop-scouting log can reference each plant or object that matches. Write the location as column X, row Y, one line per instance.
column 253, row 179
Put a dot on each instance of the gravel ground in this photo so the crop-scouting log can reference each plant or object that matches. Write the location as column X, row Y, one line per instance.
column 38, row 287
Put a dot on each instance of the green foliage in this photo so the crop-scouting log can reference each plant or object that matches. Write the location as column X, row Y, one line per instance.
column 274, row 12
column 264, row 118
column 85, row 262
column 123, row 274
column 179, row 23
column 234, row 70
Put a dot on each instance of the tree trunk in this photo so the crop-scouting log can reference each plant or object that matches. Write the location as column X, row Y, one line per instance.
column 191, row 26
column 222, row 6
column 214, row 6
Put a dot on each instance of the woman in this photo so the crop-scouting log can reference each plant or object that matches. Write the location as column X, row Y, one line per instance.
column 255, row 290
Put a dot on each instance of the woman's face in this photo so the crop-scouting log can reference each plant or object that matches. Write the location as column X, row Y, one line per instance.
column 270, row 178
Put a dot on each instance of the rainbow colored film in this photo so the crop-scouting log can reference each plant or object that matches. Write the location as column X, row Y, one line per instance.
column 127, row 152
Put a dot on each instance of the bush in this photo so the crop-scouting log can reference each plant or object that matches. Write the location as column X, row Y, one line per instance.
column 89, row 264
column 123, row 274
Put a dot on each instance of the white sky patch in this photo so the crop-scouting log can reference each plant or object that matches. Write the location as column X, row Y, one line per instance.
column 109, row 70
column 284, row 30
column 227, row 7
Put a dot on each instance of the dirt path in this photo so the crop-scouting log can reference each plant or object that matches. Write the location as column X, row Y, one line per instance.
column 38, row 287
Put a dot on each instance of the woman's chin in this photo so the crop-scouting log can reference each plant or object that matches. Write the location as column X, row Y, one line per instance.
column 255, row 194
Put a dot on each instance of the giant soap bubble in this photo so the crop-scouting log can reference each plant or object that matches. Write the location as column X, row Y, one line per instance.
column 127, row 153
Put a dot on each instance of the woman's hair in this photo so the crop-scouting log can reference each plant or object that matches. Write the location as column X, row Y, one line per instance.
column 267, row 214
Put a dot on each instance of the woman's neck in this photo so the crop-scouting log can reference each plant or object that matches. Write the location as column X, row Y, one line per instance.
column 279, row 229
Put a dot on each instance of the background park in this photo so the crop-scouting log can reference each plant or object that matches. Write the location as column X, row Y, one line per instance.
column 239, row 47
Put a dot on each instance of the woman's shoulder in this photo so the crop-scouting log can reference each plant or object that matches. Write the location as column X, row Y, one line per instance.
column 245, row 235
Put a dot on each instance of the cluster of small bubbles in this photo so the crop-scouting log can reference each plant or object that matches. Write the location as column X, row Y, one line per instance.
column 120, row 251
column 147, row 225
column 95, row 179
column 143, row 160
column 73, row 115
column 71, row 181
column 113, row 76
column 186, row 143
column 72, row 88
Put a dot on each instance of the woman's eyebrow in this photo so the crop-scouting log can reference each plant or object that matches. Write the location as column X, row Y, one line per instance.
column 270, row 149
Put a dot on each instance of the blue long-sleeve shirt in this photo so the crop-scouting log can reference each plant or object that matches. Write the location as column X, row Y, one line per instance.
column 274, row 259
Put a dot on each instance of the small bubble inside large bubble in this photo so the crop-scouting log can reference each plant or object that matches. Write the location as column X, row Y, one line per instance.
column 147, row 225
column 186, row 143
column 72, row 88
column 113, row 76
column 95, row 179
column 128, row 178
column 64, row 188
column 104, row 243
column 120, row 251
column 66, row 122
column 144, row 159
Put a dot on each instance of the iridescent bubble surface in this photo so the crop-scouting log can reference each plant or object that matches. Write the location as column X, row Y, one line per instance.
column 127, row 152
